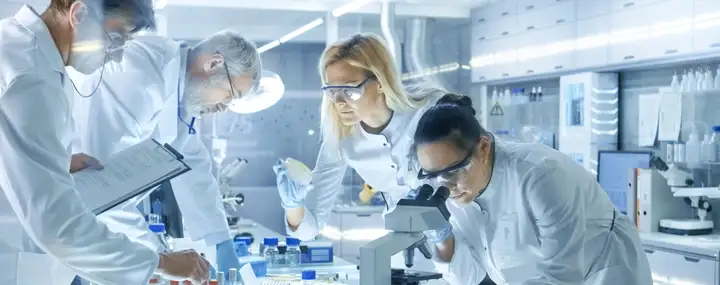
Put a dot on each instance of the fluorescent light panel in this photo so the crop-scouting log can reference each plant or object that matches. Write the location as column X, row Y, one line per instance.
column 301, row 30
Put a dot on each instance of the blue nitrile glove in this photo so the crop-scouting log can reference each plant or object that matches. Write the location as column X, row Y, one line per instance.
column 439, row 235
column 226, row 258
column 292, row 193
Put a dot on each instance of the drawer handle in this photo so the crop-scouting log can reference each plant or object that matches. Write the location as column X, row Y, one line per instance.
column 481, row 20
column 715, row 45
column 650, row 251
column 481, row 38
column 558, row 67
column 530, row 28
column 628, row 57
column 481, row 78
column 363, row 215
column 505, row 14
column 530, row 71
column 628, row 4
column 560, row 21
column 529, row 7
column 692, row 259
column 505, row 74
column 670, row 51
column 505, row 33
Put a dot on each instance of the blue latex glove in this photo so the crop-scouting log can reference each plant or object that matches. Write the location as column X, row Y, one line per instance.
column 439, row 235
column 292, row 193
column 226, row 257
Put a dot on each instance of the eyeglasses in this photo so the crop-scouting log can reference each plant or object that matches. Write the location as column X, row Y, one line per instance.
column 116, row 39
column 449, row 176
column 346, row 92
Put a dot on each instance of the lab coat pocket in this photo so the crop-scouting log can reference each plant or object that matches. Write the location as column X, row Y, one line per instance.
column 505, row 240
column 39, row 268
column 506, row 234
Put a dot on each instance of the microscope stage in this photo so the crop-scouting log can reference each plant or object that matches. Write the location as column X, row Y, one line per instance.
column 409, row 277
column 686, row 227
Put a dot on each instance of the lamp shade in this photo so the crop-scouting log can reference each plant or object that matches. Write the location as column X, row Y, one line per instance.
column 268, row 93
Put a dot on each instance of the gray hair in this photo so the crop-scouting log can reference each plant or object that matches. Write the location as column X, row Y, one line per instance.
column 241, row 55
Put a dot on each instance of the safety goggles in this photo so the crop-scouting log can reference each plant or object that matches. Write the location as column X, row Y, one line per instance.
column 345, row 92
column 450, row 175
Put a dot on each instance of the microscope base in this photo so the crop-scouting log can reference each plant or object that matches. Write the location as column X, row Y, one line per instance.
column 686, row 227
column 408, row 277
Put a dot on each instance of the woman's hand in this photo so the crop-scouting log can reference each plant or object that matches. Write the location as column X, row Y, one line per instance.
column 80, row 161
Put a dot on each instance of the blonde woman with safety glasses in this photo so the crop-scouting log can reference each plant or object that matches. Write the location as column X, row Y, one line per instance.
column 367, row 120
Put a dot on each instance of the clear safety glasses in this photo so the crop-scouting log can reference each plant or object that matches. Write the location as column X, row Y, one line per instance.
column 450, row 176
column 345, row 92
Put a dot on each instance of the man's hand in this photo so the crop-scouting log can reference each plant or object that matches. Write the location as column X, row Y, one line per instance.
column 184, row 265
column 81, row 161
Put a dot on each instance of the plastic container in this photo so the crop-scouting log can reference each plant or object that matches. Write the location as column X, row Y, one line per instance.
column 715, row 141
column 692, row 150
column 259, row 264
column 293, row 253
column 308, row 277
column 670, row 153
column 679, row 152
column 166, row 242
column 706, row 149
column 271, row 252
column 242, row 245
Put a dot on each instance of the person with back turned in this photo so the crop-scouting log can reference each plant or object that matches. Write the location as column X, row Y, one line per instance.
column 47, row 234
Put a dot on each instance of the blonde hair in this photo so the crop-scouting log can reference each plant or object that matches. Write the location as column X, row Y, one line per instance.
column 368, row 52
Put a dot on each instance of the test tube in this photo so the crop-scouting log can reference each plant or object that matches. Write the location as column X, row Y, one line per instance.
column 220, row 276
column 232, row 276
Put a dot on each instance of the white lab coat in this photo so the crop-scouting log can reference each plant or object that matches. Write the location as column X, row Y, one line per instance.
column 543, row 220
column 136, row 100
column 44, row 225
column 382, row 163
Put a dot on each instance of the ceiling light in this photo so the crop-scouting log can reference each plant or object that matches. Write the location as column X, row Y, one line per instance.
column 301, row 30
column 268, row 46
column 352, row 6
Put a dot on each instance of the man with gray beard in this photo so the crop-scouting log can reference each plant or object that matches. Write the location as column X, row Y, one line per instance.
column 157, row 91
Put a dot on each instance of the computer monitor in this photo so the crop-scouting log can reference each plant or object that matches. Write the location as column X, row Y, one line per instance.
column 613, row 173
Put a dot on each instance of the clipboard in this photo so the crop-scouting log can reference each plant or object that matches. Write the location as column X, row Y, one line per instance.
column 129, row 174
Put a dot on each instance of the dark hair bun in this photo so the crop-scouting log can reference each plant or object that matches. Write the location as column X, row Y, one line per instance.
column 461, row 101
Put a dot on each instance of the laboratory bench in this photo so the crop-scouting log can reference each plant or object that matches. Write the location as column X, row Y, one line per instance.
column 683, row 259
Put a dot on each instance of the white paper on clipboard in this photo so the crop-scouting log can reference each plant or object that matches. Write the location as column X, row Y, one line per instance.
column 670, row 120
column 127, row 174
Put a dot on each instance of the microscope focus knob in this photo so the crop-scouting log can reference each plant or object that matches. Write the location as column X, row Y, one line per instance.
column 704, row 205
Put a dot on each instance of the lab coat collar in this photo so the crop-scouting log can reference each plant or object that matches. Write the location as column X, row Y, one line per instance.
column 498, row 171
column 397, row 121
column 28, row 18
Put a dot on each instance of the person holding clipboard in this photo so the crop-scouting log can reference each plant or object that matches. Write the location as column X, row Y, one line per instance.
column 157, row 91
column 47, row 234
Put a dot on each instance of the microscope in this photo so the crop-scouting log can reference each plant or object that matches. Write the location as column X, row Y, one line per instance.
column 406, row 224
column 231, row 201
column 681, row 184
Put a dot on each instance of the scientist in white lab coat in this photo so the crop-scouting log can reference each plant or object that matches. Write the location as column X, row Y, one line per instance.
column 47, row 235
column 521, row 213
column 157, row 91
column 367, row 121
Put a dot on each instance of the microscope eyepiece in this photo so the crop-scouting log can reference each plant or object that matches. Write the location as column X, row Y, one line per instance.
column 659, row 164
column 424, row 192
column 442, row 194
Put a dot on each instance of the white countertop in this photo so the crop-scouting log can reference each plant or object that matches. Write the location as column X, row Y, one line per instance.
column 259, row 232
column 358, row 209
column 708, row 245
